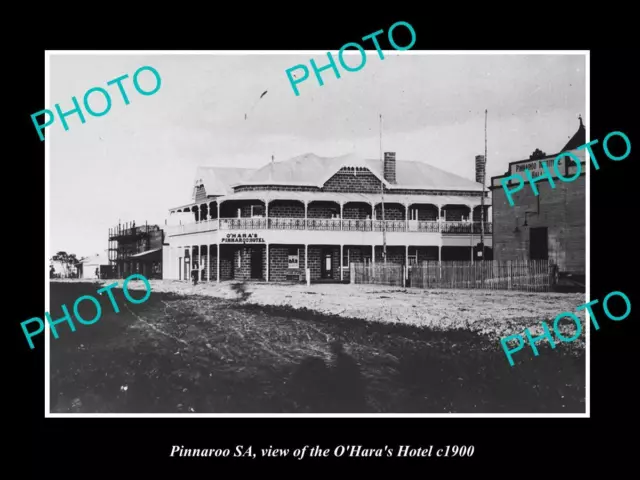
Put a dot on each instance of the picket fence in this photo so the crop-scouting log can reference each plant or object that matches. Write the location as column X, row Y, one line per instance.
column 523, row 275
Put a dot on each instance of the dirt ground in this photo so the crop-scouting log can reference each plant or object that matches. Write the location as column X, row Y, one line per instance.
column 259, row 348
column 493, row 313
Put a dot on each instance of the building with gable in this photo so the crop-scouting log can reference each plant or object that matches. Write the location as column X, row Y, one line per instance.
column 548, row 226
column 322, row 213
column 95, row 266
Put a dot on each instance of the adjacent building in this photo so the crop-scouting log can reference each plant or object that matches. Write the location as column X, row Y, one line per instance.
column 60, row 269
column 322, row 214
column 95, row 266
column 136, row 249
column 550, row 225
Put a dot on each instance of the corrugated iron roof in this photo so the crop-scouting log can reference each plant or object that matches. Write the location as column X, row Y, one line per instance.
column 312, row 170
column 218, row 180
column 98, row 259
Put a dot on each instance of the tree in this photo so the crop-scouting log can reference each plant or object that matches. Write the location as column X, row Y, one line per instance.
column 68, row 261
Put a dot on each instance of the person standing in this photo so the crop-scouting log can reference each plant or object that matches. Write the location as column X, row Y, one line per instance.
column 195, row 271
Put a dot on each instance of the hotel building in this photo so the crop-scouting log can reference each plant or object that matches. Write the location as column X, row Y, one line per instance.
column 322, row 214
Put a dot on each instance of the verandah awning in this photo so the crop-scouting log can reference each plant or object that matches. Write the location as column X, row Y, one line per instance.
column 146, row 254
column 355, row 197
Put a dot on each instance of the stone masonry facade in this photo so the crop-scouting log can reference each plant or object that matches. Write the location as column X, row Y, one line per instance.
column 561, row 210
column 235, row 263
column 355, row 210
column 346, row 181
column 249, row 261
column 279, row 270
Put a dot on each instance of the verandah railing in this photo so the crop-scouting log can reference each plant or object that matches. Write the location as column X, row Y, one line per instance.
column 329, row 224
column 277, row 223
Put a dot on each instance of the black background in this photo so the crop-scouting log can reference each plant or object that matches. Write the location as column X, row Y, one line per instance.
column 506, row 446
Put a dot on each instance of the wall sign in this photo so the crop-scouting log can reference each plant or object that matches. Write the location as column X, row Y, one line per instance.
column 242, row 238
column 566, row 167
column 535, row 166
column 293, row 261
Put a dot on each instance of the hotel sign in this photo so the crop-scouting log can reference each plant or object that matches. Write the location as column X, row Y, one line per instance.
column 535, row 166
column 566, row 166
column 242, row 238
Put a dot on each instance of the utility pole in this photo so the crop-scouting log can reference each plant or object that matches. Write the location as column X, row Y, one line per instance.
column 384, row 224
column 484, row 174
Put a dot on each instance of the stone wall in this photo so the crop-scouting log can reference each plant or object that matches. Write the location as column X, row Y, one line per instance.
column 323, row 210
column 281, row 209
column 394, row 255
column 392, row 211
column 356, row 211
column 279, row 270
column 561, row 210
column 226, row 264
column 242, row 260
column 455, row 213
column 362, row 182
column 316, row 259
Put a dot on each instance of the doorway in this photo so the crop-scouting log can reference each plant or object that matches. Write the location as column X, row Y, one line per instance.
column 538, row 244
column 326, row 270
column 186, row 272
column 256, row 263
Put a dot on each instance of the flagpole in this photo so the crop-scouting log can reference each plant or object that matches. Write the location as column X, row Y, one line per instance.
column 384, row 224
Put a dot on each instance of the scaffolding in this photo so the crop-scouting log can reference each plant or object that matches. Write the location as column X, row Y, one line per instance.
column 128, row 239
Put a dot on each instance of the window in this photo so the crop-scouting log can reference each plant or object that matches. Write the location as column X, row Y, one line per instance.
column 413, row 214
column 345, row 258
column 367, row 259
column 293, row 258
column 257, row 211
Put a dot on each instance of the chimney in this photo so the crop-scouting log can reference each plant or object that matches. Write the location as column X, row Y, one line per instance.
column 390, row 167
column 480, row 168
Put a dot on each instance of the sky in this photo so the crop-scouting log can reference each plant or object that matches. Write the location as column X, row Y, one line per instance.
column 139, row 160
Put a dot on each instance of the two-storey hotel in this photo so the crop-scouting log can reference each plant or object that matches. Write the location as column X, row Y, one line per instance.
column 322, row 214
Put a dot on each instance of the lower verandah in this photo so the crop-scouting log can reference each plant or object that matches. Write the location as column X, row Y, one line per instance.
column 287, row 263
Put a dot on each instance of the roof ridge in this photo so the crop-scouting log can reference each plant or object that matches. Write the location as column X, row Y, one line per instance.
column 418, row 162
column 227, row 168
column 305, row 170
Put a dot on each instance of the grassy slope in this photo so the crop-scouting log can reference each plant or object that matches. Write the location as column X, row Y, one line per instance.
column 200, row 354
